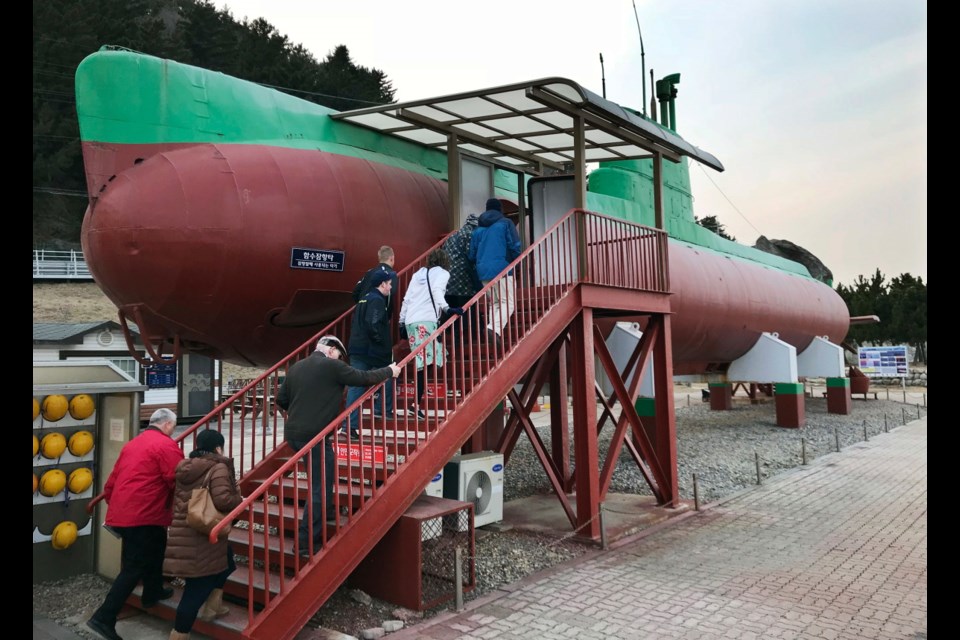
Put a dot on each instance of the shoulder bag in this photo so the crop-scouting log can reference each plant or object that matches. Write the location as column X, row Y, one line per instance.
column 445, row 314
column 202, row 515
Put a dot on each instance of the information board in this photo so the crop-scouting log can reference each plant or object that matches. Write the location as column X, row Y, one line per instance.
column 883, row 362
column 162, row 376
column 316, row 259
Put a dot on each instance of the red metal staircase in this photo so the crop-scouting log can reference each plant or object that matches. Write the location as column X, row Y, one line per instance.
column 585, row 260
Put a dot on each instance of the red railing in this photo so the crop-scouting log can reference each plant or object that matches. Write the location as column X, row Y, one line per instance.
column 582, row 247
column 615, row 253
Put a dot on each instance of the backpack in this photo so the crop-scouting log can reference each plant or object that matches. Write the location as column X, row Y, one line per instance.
column 363, row 285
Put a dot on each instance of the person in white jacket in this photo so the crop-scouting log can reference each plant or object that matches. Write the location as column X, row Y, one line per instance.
column 423, row 305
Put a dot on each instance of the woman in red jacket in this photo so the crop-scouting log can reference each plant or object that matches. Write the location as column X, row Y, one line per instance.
column 190, row 555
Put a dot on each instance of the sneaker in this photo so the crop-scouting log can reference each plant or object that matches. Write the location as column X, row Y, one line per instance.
column 421, row 414
column 107, row 631
column 305, row 550
column 354, row 435
column 164, row 594
column 337, row 520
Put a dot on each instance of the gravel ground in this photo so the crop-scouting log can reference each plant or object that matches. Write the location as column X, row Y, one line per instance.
column 720, row 447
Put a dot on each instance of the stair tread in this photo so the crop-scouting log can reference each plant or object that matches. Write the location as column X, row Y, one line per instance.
column 235, row 620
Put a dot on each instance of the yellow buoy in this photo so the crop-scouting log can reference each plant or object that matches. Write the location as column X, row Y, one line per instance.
column 80, row 480
column 54, row 407
column 81, row 406
column 80, row 443
column 52, row 482
column 36, row 408
column 36, row 481
column 53, row 445
column 64, row 535
column 36, row 446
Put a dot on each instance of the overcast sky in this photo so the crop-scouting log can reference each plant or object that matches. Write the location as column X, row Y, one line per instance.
column 816, row 108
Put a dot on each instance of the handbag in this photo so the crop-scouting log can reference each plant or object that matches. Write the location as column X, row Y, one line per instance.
column 202, row 514
column 443, row 315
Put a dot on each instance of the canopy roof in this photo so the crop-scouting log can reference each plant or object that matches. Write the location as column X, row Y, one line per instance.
column 529, row 125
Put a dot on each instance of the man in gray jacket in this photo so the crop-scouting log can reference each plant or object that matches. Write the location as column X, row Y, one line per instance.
column 312, row 395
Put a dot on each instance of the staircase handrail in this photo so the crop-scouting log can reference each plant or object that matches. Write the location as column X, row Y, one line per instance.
column 304, row 350
column 587, row 241
column 579, row 239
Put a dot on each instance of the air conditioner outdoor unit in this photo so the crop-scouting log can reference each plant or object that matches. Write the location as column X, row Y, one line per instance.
column 433, row 527
column 477, row 478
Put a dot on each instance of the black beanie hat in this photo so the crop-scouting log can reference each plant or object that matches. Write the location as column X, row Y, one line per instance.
column 494, row 203
column 209, row 440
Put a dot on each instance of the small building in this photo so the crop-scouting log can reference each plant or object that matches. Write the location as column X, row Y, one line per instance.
column 190, row 387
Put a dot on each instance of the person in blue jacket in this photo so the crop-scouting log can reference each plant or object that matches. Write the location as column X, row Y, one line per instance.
column 371, row 346
column 493, row 246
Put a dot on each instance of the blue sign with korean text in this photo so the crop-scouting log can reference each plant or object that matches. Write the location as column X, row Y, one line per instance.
column 316, row 259
column 162, row 376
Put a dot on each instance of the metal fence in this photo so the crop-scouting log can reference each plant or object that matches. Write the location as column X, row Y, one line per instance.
column 60, row 265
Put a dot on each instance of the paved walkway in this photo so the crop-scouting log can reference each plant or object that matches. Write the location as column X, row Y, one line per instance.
column 833, row 550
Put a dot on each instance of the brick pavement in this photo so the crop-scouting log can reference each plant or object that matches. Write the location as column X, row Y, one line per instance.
column 835, row 550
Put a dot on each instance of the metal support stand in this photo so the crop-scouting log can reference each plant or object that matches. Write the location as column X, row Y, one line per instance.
column 458, row 577
column 696, row 494
column 603, row 530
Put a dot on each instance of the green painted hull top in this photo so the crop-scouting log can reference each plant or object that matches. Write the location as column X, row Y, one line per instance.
column 129, row 98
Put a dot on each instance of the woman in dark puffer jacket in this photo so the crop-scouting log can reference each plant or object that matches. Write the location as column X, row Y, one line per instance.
column 190, row 555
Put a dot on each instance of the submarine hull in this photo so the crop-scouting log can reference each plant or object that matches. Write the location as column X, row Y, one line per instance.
column 199, row 240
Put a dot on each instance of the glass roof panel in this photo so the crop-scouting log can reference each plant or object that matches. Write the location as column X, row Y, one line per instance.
column 552, row 140
column 519, row 125
column 471, row 107
column 632, row 151
column 511, row 160
column 566, row 91
column 557, row 119
column 599, row 153
column 476, row 149
column 479, row 130
column 518, row 144
column 517, row 100
column 538, row 123
column 434, row 114
column 377, row 120
column 600, row 137
column 423, row 136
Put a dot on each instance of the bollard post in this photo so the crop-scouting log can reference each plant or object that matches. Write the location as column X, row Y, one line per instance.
column 603, row 530
column 918, row 411
column 924, row 400
column 904, row 411
column 688, row 399
column 757, row 456
column 836, row 438
column 888, row 392
column 803, row 450
column 696, row 494
column 865, row 436
column 885, row 429
column 458, row 577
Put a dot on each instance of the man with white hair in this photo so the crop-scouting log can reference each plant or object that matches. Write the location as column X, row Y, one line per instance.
column 139, row 497
column 312, row 395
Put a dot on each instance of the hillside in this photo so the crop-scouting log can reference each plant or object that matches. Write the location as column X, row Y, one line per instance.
column 70, row 302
